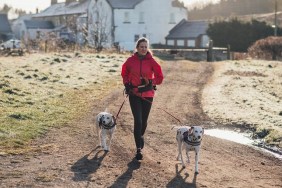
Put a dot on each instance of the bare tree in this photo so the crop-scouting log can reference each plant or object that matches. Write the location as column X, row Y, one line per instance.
column 99, row 32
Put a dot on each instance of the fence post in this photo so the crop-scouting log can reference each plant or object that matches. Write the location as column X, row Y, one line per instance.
column 228, row 52
column 46, row 46
column 210, row 52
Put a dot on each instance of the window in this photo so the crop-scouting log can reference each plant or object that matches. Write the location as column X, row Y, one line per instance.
column 37, row 34
column 136, row 37
column 126, row 17
column 191, row 43
column 170, row 42
column 172, row 18
column 180, row 42
column 141, row 17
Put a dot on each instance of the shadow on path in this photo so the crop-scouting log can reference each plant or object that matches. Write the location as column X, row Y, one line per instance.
column 84, row 166
column 179, row 181
column 123, row 180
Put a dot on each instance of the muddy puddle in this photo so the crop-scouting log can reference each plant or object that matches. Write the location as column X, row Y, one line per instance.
column 244, row 138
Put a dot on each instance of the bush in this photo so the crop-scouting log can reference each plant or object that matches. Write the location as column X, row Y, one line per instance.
column 269, row 48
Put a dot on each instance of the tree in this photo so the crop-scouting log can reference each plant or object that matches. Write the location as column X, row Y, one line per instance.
column 99, row 31
column 239, row 35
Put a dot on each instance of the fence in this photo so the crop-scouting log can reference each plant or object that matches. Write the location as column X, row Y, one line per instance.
column 203, row 54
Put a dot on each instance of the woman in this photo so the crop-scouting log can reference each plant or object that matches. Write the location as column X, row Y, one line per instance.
column 141, row 73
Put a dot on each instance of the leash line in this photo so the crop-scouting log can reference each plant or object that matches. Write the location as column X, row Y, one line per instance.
column 121, row 106
column 158, row 108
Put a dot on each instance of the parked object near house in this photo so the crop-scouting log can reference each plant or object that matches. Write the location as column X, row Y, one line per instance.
column 188, row 34
column 12, row 46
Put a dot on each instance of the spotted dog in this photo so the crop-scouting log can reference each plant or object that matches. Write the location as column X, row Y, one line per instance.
column 105, row 127
column 189, row 138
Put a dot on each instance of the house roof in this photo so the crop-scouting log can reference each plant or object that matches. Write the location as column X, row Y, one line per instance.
column 77, row 7
column 38, row 24
column 188, row 29
column 123, row 4
column 4, row 24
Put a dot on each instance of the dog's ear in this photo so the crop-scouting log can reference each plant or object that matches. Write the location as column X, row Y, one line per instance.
column 114, row 119
column 191, row 130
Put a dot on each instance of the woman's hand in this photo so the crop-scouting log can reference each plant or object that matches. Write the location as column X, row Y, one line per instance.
column 146, row 81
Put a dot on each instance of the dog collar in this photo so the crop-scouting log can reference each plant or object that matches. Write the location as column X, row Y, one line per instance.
column 107, row 126
column 192, row 143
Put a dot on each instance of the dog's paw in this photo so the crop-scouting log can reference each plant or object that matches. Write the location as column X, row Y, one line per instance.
column 106, row 148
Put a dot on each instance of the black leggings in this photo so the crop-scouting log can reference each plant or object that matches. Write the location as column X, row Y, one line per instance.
column 140, row 110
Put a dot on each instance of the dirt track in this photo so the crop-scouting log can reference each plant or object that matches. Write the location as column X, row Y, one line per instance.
column 68, row 157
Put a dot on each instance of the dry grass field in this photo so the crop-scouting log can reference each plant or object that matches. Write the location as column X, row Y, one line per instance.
column 247, row 93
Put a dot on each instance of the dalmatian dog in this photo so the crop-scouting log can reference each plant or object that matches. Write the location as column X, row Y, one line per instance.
column 105, row 127
column 189, row 139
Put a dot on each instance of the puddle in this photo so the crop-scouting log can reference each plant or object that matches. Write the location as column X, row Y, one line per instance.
column 242, row 138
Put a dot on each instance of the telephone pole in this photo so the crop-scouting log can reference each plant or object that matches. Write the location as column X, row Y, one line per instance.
column 275, row 19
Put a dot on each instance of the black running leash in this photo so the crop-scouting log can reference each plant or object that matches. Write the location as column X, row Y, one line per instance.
column 121, row 107
column 158, row 108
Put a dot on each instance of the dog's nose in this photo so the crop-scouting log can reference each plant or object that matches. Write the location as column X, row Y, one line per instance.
column 104, row 122
column 199, row 137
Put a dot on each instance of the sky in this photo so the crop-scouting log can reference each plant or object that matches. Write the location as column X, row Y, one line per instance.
column 31, row 5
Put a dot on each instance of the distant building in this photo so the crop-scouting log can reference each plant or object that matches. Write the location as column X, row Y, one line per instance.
column 5, row 28
column 65, row 16
column 188, row 34
column 18, row 26
column 35, row 29
column 124, row 21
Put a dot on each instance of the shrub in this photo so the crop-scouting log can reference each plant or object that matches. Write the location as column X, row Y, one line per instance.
column 269, row 48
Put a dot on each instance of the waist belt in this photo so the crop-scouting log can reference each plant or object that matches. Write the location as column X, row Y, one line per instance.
column 143, row 88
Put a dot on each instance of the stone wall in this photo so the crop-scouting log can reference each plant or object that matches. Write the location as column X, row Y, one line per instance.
column 218, row 54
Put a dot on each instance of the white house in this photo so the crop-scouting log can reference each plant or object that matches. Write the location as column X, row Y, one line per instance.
column 124, row 21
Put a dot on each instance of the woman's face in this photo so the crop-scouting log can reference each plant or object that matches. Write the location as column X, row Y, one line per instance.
column 142, row 49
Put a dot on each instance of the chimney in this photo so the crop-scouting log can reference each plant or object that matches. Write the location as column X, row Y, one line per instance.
column 69, row 1
column 54, row 2
column 37, row 11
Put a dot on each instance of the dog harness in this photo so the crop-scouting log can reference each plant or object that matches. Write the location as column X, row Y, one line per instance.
column 188, row 139
column 106, row 126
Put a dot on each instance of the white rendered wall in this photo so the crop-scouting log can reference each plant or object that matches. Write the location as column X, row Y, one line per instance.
column 157, row 15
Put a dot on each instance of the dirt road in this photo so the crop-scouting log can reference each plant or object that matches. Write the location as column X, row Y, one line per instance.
column 68, row 157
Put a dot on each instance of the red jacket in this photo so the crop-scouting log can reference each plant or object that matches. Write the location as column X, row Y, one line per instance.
column 134, row 68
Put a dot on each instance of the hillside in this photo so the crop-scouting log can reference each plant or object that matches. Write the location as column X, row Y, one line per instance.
column 262, row 10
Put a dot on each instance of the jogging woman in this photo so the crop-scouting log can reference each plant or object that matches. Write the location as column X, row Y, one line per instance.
column 141, row 73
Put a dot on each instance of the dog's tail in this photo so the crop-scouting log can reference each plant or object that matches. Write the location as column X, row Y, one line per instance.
column 175, row 127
